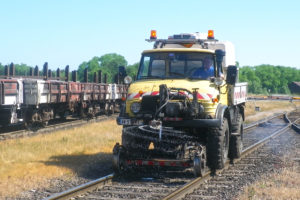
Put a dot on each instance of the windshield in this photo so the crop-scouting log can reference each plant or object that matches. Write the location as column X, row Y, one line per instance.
column 170, row 65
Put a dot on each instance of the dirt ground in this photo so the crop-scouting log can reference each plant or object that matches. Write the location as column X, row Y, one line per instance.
column 27, row 163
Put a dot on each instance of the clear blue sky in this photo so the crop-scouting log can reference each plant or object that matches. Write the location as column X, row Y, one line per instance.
column 65, row 32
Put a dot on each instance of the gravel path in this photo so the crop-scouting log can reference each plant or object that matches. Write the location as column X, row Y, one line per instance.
column 91, row 171
column 269, row 159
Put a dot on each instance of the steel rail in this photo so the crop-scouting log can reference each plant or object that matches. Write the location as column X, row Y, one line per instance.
column 177, row 194
column 257, row 123
column 82, row 188
column 189, row 187
column 295, row 126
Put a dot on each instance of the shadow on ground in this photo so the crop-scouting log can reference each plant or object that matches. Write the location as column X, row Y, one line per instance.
column 89, row 166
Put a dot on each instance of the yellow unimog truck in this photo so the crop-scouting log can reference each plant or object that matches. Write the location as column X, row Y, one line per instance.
column 185, row 109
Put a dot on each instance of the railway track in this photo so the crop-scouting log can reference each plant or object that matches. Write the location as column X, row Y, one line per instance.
column 257, row 158
column 54, row 127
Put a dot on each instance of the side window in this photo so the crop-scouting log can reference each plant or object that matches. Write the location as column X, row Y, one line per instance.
column 158, row 68
column 145, row 67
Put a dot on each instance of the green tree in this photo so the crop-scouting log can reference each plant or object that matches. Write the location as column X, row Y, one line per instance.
column 132, row 70
column 108, row 64
column 22, row 69
column 264, row 78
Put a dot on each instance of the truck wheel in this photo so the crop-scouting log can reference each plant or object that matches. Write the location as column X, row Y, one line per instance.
column 236, row 140
column 218, row 146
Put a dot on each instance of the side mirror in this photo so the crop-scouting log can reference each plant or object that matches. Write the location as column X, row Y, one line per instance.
column 219, row 58
column 121, row 75
column 232, row 75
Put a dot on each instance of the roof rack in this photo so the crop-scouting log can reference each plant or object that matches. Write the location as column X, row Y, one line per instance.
column 162, row 42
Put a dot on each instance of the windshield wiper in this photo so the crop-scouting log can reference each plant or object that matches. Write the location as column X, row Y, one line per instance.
column 193, row 77
column 176, row 73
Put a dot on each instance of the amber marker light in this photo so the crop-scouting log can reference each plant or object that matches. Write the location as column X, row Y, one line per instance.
column 210, row 34
column 187, row 45
column 141, row 92
column 153, row 35
column 215, row 100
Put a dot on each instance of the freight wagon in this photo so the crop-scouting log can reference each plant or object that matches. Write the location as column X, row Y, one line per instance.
column 35, row 100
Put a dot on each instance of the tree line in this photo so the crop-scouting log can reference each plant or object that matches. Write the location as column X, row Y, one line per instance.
column 262, row 79
column 108, row 64
column 268, row 79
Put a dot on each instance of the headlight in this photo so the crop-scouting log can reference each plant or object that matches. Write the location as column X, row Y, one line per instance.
column 218, row 81
column 127, row 80
column 135, row 107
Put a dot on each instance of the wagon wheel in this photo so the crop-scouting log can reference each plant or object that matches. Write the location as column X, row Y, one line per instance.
column 45, row 123
column 35, row 121
column 32, row 126
column 106, row 108
column 62, row 115
column 112, row 109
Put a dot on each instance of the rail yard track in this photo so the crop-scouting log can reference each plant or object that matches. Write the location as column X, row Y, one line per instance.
column 262, row 153
column 66, row 124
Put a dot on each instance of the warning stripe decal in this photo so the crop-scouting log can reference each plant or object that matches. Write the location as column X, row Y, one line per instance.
column 202, row 96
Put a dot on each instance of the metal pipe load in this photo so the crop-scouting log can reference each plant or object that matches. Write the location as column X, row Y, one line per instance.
column 31, row 71
column 99, row 76
column 49, row 73
column 58, row 73
column 45, row 70
column 85, row 75
column 12, row 70
column 67, row 73
column 36, row 71
column 105, row 78
column 6, row 70
column 74, row 76
column 95, row 77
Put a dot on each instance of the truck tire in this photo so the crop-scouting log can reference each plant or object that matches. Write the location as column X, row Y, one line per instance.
column 218, row 145
column 236, row 141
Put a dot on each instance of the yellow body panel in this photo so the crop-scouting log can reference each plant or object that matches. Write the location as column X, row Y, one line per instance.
column 204, row 87
column 224, row 95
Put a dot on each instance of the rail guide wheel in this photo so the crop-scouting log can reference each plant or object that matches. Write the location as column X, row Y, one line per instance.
column 119, row 159
column 199, row 164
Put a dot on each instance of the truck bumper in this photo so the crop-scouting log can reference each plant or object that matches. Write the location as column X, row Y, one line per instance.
column 195, row 123
column 129, row 121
